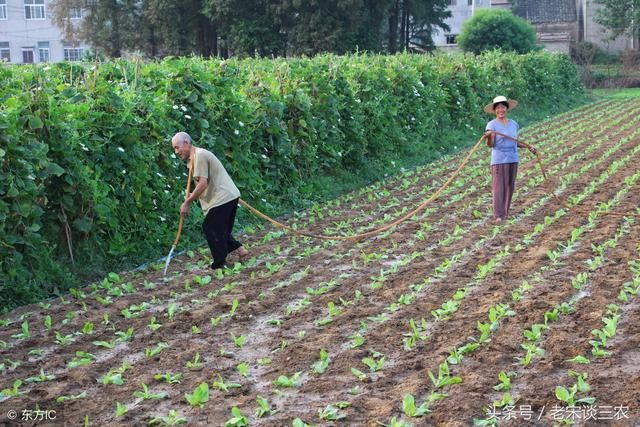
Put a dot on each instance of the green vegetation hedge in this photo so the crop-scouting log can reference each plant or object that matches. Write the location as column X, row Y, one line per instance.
column 86, row 167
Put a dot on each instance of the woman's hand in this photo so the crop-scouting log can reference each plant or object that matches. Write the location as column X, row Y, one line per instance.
column 489, row 137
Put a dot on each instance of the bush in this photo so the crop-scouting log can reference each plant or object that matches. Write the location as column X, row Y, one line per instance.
column 492, row 29
column 86, row 168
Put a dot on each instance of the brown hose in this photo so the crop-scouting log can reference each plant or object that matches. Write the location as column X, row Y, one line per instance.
column 384, row 227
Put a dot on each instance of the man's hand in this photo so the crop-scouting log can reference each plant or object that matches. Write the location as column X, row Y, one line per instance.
column 184, row 209
column 533, row 150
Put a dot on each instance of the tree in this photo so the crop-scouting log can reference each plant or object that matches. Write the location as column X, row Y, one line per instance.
column 412, row 22
column 497, row 29
column 108, row 25
column 337, row 26
column 156, row 27
column 620, row 17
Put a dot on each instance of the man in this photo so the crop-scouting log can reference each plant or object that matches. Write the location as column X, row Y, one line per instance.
column 218, row 197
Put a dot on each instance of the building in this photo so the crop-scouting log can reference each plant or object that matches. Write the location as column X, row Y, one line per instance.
column 28, row 34
column 558, row 23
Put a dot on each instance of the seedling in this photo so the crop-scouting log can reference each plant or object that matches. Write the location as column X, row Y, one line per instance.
column 105, row 344
column 285, row 382
column 172, row 419
column 238, row 341
column 243, row 369
column 200, row 395
column 444, row 377
column 63, row 339
column 330, row 413
column 263, row 407
column 237, row 419
column 505, row 381
column 222, row 386
column 152, row 352
column 375, row 362
column 25, row 334
column 153, row 324
column 120, row 409
column 62, row 399
column 195, row 363
column 13, row 391
column 172, row 310
column 320, row 366
column 125, row 336
column 359, row 374
column 40, row 378
column 410, row 409
column 169, row 378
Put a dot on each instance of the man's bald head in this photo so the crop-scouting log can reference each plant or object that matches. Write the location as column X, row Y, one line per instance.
column 181, row 137
column 181, row 143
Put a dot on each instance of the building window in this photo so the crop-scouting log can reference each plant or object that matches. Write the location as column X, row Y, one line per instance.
column 75, row 13
column 3, row 9
column 451, row 38
column 34, row 9
column 470, row 3
column 43, row 51
column 72, row 53
column 452, row 2
column 5, row 53
column 27, row 55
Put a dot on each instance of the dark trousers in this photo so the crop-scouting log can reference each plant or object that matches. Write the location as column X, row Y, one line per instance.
column 503, row 182
column 217, row 228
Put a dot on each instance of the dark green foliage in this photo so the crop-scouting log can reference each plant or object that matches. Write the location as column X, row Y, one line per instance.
column 492, row 29
column 620, row 17
column 86, row 167
column 249, row 28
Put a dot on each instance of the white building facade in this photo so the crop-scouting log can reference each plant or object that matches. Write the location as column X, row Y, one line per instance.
column 558, row 23
column 28, row 34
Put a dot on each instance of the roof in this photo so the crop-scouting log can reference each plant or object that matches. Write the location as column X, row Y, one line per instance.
column 547, row 11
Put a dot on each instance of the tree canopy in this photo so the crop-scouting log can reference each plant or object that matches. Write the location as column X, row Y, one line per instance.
column 497, row 29
column 620, row 17
column 254, row 27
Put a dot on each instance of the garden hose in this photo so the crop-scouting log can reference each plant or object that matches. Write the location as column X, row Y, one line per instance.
column 420, row 208
column 384, row 227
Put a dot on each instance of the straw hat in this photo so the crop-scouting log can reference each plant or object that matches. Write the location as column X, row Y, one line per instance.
column 498, row 99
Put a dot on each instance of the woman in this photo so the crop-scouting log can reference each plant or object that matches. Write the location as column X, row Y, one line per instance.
column 504, row 154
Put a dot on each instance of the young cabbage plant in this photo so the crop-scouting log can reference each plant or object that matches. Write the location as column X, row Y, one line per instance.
column 171, row 419
column 237, row 419
column 286, row 382
column 320, row 366
column 410, row 409
column 199, row 397
column 444, row 377
column 219, row 384
column 145, row 394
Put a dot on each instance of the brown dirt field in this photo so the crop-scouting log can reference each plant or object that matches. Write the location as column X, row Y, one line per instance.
column 378, row 285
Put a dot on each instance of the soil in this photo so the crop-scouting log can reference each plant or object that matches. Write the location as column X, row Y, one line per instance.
column 378, row 284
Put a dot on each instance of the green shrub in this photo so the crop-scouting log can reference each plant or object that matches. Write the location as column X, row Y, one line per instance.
column 490, row 29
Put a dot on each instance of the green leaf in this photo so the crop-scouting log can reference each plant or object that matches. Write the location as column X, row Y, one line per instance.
column 54, row 169
column 579, row 359
column 199, row 396
column 35, row 122
column 563, row 394
column 409, row 404
column 83, row 224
